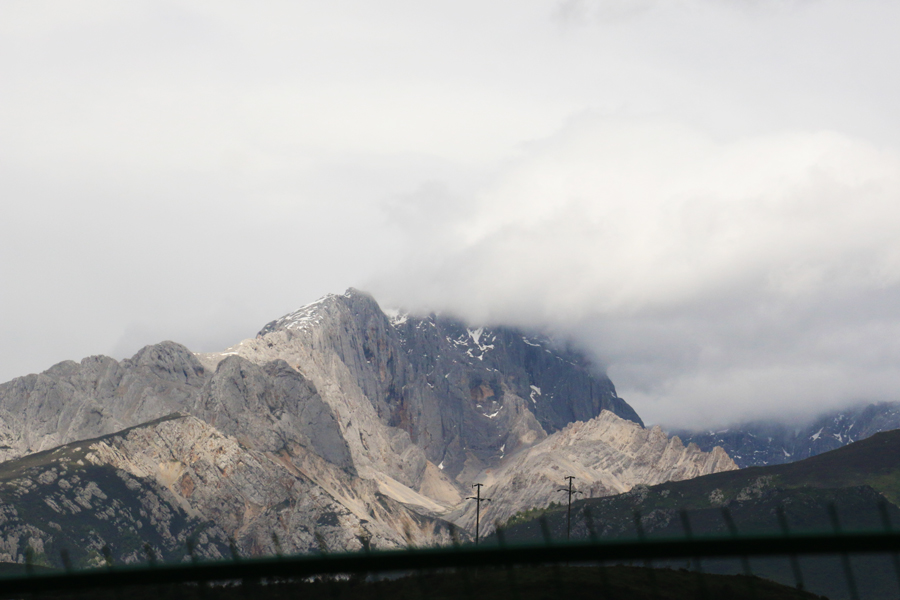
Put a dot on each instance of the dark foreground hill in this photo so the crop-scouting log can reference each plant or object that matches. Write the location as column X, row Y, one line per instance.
column 858, row 484
column 587, row 583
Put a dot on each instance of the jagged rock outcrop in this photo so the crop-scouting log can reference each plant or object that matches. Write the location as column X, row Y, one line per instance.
column 74, row 401
column 265, row 405
column 607, row 455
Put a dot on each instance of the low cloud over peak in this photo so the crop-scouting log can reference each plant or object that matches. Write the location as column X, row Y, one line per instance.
column 715, row 279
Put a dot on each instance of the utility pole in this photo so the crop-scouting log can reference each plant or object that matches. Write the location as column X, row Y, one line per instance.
column 478, row 500
column 570, row 491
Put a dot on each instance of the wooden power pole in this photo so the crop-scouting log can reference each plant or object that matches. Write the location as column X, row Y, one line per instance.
column 570, row 491
column 478, row 500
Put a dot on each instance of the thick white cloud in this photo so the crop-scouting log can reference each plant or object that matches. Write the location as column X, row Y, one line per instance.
column 715, row 279
column 673, row 181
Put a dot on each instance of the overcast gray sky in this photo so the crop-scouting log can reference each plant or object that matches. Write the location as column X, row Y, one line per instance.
column 706, row 193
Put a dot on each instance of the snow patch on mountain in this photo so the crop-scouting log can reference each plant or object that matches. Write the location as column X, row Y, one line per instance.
column 771, row 442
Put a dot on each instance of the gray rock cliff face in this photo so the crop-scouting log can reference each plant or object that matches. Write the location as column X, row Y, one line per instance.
column 455, row 394
column 268, row 407
column 73, row 401
column 251, row 494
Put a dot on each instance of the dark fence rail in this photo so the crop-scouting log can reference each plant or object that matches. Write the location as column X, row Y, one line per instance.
column 298, row 567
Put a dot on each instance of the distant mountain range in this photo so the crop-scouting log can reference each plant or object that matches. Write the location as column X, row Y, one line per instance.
column 764, row 443
column 338, row 427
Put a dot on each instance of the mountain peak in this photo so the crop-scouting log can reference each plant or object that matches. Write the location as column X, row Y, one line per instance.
column 302, row 318
column 312, row 314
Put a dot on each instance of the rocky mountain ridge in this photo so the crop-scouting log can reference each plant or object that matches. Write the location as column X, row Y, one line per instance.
column 179, row 478
column 382, row 422
column 607, row 455
column 62, row 500
column 458, row 393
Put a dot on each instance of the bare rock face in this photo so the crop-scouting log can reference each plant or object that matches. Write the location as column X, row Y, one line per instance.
column 324, row 342
column 251, row 494
column 75, row 401
column 607, row 455
column 407, row 390
column 268, row 407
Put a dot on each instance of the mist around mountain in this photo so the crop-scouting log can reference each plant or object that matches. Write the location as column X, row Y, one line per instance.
column 773, row 442
column 338, row 427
